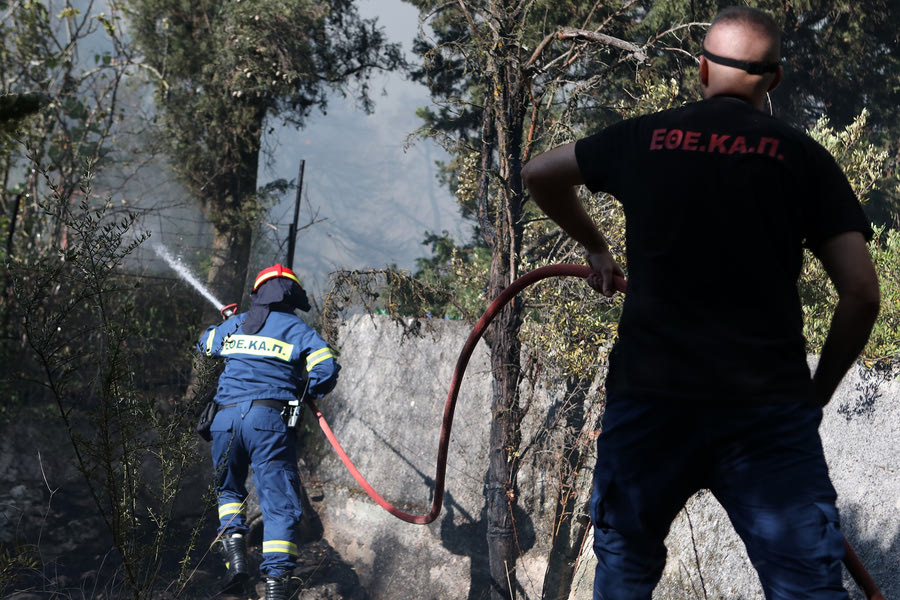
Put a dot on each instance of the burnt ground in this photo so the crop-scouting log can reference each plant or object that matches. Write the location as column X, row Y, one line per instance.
column 54, row 543
column 93, row 570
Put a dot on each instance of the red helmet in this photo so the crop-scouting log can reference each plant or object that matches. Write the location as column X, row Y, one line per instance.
column 274, row 271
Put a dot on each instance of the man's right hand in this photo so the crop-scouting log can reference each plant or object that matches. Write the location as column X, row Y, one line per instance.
column 606, row 276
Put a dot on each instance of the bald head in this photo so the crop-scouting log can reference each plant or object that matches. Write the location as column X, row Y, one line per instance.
column 742, row 50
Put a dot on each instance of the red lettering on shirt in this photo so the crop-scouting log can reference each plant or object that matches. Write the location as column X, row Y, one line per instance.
column 717, row 143
column 772, row 142
column 690, row 140
column 673, row 139
column 738, row 146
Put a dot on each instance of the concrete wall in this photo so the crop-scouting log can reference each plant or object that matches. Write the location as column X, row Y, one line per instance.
column 387, row 412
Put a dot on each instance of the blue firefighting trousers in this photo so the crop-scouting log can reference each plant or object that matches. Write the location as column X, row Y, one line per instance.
column 763, row 463
column 245, row 436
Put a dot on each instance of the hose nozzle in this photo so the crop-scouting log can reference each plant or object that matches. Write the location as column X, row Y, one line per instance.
column 228, row 310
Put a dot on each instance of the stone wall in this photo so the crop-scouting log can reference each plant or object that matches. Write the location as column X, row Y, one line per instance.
column 387, row 412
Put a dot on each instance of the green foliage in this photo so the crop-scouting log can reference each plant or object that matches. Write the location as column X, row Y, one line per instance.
column 222, row 70
column 885, row 339
column 223, row 67
column 383, row 291
column 864, row 165
column 14, row 559
column 15, row 108
column 454, row 273
column 81, row 333
column 386, row 291
column 55, row 110
column 569, row 324
column 862, row 161
column 840, row 59
column 820, row 299
column 571, row 327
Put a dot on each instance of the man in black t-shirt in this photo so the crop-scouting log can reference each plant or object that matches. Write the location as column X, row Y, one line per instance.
column 708, row 384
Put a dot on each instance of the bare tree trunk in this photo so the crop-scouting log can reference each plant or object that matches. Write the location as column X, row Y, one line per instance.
column 508, row 110
column 230, row 262
column 504, row 439
column 229, row 205
column 484, row 212
column 231, row 209
column 571, row 522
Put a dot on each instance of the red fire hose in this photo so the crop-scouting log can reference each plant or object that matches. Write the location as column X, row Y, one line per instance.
column 852, row 562
column 859, row 574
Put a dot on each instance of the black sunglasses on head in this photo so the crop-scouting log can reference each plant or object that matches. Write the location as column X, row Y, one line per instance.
column 754, row 68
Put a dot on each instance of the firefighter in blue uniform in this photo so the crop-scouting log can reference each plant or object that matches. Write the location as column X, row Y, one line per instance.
column 271, row 357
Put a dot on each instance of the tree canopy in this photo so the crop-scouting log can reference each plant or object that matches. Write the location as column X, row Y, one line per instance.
column 223, row 70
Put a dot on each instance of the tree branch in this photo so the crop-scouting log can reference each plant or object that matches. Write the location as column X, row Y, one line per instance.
column 570, row 33
column 661, row 35
column 469, row 19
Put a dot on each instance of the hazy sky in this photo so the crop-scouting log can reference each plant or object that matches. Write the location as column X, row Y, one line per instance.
column 374, row 195
column 377, row 197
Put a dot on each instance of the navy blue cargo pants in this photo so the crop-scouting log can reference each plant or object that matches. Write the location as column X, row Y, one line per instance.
column 244, row 436
column 763, row 463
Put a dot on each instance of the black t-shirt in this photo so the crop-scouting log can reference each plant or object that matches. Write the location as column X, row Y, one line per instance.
column 719, row 200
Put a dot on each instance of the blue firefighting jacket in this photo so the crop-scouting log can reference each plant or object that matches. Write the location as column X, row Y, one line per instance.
column 276, row 362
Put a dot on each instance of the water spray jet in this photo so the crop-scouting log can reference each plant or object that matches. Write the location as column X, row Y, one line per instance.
column 182, row 271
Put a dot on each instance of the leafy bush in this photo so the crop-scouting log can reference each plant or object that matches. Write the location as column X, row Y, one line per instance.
column 80, row 336
column 864, row 165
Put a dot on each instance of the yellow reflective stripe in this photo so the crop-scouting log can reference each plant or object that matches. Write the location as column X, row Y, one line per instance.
column 317, row 357
column 280, row 546
column 232, row 508
column 209, row 342
column 263, row 277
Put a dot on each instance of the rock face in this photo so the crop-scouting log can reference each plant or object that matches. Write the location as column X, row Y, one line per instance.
column 386, row 411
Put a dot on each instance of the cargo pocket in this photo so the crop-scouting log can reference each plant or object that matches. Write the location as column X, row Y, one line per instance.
column 266, row 419
column 600, row 499
column 831, row 548
column 291, row 501
column 224, row 420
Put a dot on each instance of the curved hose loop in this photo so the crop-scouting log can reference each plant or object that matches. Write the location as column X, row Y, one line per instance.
column 556, row 270
column 851, row 561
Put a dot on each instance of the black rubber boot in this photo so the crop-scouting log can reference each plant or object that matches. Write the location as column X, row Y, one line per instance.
column 236, row 559
column 276, row 588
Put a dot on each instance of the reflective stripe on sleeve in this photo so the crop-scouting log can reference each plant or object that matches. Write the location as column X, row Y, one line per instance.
column 318, row 356
column 209, row 342
column 280, row 546
column 232, row 508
